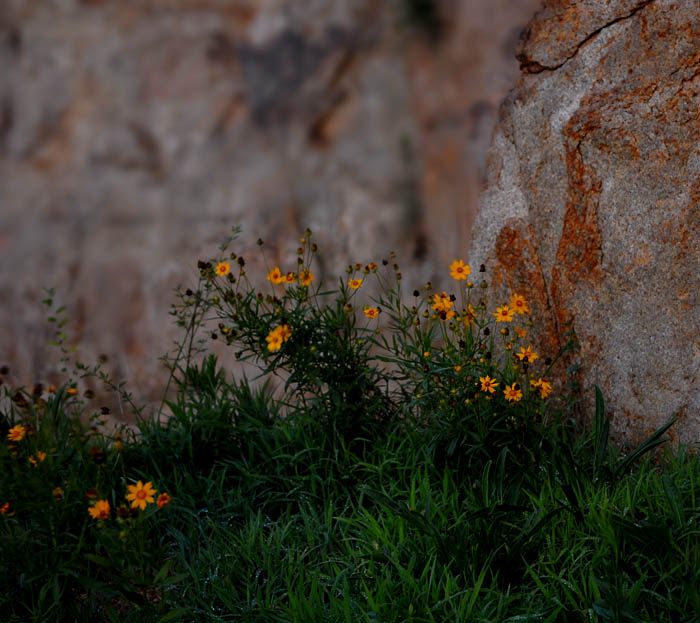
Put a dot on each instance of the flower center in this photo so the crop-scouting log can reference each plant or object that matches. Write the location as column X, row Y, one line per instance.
column 141, row 495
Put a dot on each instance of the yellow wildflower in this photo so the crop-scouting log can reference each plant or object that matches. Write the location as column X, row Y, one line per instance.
column 275, row 275
column 504, row 314
column 442, row 303
column 290, row 278
column 488, row 384
column 223, row 268
column 17, row 433
column 527, row 355
column 459, row 270
column 306, row 277
column 518, row 304
column 140, row 494
column 355, row 283
column 371, row 312
column 520, row 332
column 40, row 456
column 100, row 510
column 513, row 393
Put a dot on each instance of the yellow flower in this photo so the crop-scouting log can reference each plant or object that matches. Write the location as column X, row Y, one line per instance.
column 459, row 270
column 140, row 494
column 275, row 275
column 488, row 384
column 277, row 336
column 526, row 355
column 355, row 283
column 443, row 305
column 371, row 312
column 17, row 433
column 223, row 268
column 163, row 500
column 100, row 510
column 545, row 388
column 57, row 494
column 512, row 393
column 520, row 332
column 458, row 368
column 306, row 277
column 71, row 391
column 504, row 314
column 518, row 304
column 290, row 278
column 470, row 315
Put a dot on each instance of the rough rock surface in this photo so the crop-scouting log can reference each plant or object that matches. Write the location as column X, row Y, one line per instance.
column 592, row 204
column 133, row 135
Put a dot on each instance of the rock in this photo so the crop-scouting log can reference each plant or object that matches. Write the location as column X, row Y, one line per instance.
column 133, row 135
column 591, row 208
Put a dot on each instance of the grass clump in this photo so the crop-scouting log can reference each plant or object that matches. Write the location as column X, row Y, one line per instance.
column 388, row 461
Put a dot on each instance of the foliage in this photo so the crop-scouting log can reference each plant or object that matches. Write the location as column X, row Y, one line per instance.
column 385, row 462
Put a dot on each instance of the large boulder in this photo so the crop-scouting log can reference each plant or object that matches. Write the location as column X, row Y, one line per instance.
column 592, row 203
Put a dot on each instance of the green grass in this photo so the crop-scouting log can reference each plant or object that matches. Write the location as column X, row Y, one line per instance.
column 384, row 487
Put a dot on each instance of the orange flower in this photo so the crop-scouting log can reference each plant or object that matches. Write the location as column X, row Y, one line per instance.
column 100, row 510
column 520, row 332
column 140, row 494
column 57, row 494
column 163, row 500
column 5, row 508
column 223, row 268
column 355, row 283
column 71, row 391
column 40, row 456
column 290, row 278
column 17, row 433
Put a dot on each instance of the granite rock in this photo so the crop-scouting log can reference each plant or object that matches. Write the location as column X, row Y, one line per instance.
column 592, row 204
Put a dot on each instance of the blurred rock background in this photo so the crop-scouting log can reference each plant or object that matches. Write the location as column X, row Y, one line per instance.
column 134, row 134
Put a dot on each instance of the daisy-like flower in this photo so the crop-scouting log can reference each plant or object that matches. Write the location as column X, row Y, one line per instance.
column 275, row 275
column 163, row 500
column 355, row 284
column 527, row 355
column 442, row 304
column 513, row 393
column 100, row 510
column 504, row 314
column 290, row 278
column 140, row 494
column 306, row 277
column 459, row 270
column 518, row 304
column 488, row 384
column 520, row 332
column 371, row 312
column 223, row 268
column 17, row 433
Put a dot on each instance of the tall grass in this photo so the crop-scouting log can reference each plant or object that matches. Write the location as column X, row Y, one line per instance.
column 368, row 473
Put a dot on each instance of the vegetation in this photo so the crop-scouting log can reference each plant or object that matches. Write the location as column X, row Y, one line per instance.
column 388, row 462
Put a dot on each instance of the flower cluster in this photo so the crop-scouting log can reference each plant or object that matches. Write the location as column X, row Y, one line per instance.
column 140, row 495
column 277, row 337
